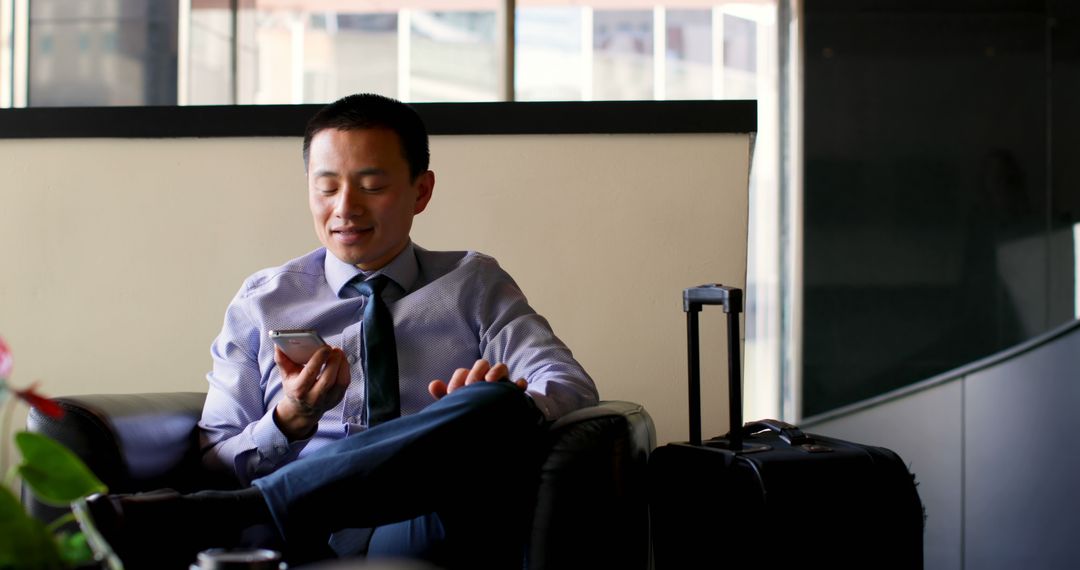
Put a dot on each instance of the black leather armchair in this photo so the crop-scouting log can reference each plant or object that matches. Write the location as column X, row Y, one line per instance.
column 591, row 510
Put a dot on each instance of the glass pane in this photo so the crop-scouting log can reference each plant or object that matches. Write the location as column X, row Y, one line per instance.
column 290, row 53
column 1064, row 169
column 100, row 52
column 550, row 62
column 210, row 55
column 294, row 56
column 740, row 57
column 453, row 56
column 366, row 54
column 7, row 32
column 689, row 54
column 928, row 243
column 622, row 54
column 247, row 56
column 274, row 64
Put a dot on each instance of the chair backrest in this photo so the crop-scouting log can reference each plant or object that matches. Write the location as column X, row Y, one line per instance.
column 591, row 508
column 132, row 442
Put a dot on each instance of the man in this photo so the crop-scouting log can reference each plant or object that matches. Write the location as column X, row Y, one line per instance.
column 321, row 442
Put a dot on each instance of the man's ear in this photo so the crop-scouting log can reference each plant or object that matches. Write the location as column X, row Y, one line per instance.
column 425, row 185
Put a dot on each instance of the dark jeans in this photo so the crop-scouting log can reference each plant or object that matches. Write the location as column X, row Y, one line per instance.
column 471, row 459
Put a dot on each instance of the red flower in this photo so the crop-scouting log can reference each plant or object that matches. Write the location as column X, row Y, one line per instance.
column 39, row 402
column 6, row 360
column 29, row 395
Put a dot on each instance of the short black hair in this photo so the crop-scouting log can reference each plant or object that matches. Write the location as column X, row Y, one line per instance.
column 371, row 111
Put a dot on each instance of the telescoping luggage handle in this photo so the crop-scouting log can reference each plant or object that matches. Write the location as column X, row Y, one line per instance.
column 732, row 300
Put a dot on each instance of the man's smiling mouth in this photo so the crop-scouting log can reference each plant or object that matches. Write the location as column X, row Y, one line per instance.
column 350, row 234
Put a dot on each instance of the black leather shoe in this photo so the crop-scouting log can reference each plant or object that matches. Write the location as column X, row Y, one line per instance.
column 160, row 529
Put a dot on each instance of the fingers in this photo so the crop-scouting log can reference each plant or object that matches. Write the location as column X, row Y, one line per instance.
column 344, row 374
column 437, row 389
column 303, row 378
column 328, row 374
column 497, row 372
column 295, row 414
column 339, row 383
column 460, row 377
column 333, row 381
column 482, row 371
column 457, row 380
column 479, row 369
column 288, row 367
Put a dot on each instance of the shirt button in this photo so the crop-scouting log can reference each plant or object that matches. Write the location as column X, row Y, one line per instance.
column 352, row 359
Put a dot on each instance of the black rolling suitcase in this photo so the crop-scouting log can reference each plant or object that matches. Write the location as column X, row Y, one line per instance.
column 768, row 495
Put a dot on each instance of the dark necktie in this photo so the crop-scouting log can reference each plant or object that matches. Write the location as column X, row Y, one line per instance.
column 380, row 354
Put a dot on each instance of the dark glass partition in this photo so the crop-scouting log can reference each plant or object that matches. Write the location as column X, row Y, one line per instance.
column 942, row 186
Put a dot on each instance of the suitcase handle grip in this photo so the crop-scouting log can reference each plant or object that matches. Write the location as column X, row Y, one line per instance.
column 713, row 294
column 787, row 432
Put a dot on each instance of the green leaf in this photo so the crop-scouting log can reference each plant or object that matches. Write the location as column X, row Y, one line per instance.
column 53, row 472
column 24, row 542
column 73, row 548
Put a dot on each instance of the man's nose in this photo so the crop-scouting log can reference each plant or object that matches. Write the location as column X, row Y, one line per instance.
column 349, row 202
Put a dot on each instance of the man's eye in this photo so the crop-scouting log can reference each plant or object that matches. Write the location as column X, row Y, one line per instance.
column 374, row 189
column 326, row 191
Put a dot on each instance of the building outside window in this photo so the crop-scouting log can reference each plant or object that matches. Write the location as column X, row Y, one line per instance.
column 102, row 52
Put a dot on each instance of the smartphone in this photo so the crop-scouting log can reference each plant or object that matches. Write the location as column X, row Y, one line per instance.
column 298, row 344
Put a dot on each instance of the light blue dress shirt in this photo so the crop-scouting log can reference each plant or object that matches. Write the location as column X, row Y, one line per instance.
column 449, row 308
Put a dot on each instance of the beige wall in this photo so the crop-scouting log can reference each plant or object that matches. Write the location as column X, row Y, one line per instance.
column 119, row 256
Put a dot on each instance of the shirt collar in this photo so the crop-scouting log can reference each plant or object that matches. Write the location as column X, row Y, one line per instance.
column 402, row 270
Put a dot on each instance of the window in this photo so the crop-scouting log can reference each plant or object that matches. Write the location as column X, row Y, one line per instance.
column 551, row 63
column 93, row 53
column 215, row 52
column 7, row 57
column 224, row 52
column 289, row 52
column 622, row 54
column 689, row 54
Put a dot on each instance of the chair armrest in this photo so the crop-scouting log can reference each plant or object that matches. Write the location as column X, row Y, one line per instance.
column 592, row 506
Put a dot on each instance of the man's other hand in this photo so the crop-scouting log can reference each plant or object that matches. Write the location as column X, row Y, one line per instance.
column 482, row 371
column 310, row 389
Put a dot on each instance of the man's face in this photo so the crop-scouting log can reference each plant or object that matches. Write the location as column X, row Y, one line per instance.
column 361, row 195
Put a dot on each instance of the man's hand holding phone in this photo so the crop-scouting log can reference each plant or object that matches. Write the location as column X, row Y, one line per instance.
column 310, row 389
